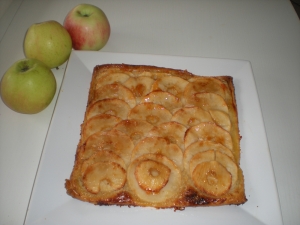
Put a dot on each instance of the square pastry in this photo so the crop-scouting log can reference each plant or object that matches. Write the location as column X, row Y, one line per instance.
column 158, row 137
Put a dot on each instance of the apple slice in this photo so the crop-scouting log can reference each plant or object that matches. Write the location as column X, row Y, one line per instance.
column 112, row 91
column 212, row 178
column 229, row 164
column 140, row 86
column 200, row 157
column 115, row 107
column 112, row 78
column 102, row 156
column 102, row 122
column 158, row 145
column 104, row 177
column 171, row 84
column 208, row 132
column 207, row 101
column 221, row 118
column 114, row 141
column 172, row 131
column 205, row 85
column 191, row 116
column 151, row 175
column 202, row 146
column 221, row 158
column 152, row 113
column 135, row 129
column 167, row 100
column 163, row 190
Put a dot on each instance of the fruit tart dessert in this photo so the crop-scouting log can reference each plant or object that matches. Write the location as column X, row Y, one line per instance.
column 158, row 137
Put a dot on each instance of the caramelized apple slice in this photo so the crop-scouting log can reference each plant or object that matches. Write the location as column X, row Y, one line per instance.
column 102, row 156
column 114, row 141
column 208, row 132
column 171, row 84
column 140, row 86
column 152, row 113
column 135, row 129
column 207, row 101
column 229, row 164
column 201, row 157
column 191, row 116
column 212, row 178
column 152, row 176
column 221, row 118
column 158, row 145
column 202, row 146
column 164, row 188
column 104, row 177
column 102, row 122
column 112, row 79
column 115, row 107
column 205, row 84
column 167, row 100
column 113, row 91
column 172, row 131
column 219, row 157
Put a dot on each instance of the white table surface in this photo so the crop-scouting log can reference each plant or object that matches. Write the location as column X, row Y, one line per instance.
column 266, row 33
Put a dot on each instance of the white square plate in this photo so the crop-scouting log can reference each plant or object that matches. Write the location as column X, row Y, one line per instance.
column 49, row 202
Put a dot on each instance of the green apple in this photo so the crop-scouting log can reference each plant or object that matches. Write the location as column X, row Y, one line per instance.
column 48, row 42
column 28, row 86
column 88, row 26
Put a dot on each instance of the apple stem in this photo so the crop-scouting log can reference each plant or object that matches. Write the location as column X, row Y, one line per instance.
column 83, row 14
column 25, row 68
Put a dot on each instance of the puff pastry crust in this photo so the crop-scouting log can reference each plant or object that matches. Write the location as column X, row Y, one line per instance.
column 158, row 137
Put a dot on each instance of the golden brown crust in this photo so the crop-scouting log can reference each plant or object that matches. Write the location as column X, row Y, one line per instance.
column 145, row 182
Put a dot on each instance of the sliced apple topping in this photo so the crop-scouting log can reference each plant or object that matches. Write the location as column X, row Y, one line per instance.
column 172, row 131
column 223, row 162
column 112, row 78
column 205, row 84
column 191, row 116
column 140, row 86
column 152, row 113
column 114, row 141
column 158, row 145
column 167, row 100
column 212, row 178
column 115, row 91
column 104, row 177
column 229, row 164
column 207, row 101
column 221, row 118
column 200, row 158
column 115, row 107
column 202, row 146
column 208, row 132
column 102, row 156
column 102, row 122
column 135, row 129
column 153, row 74
column 171, row 84
column 154, row 178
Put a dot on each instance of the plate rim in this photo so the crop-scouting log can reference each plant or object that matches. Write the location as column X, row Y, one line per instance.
column 81, row 55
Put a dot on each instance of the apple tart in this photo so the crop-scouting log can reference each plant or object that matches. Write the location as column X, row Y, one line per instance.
column 158, row 137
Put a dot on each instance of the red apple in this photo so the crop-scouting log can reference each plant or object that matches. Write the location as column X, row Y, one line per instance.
column 88, row 26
